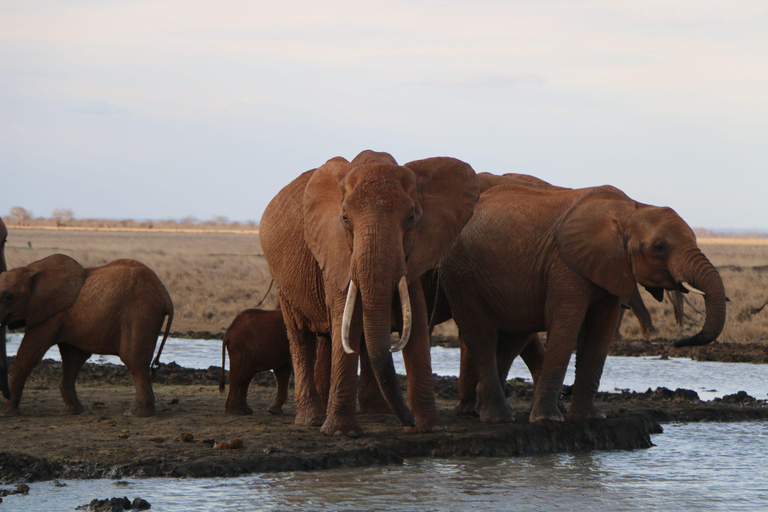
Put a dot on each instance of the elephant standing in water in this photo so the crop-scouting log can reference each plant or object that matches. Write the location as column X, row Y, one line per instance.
column 343, row 242
column 116, row 309
column 3, row 352
column 560, row 260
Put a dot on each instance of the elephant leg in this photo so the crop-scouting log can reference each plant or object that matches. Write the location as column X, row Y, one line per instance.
column 323, row 368
column 72, row 360
column 617, row 335
column 31, row 352
column 533, row 355
column 282, row 378
column 564, row 325
column 418, row 367
column 492, row 407
column 240, row 375
column 341, row 417
column 467, row 384
column 590, row 358
column 309, row 410
column 369, row 394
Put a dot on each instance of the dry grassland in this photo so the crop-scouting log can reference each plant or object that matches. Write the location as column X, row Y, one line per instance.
column 212, row 275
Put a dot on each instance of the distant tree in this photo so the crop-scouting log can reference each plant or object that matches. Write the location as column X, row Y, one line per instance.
column 189, row 219
column 63, row 214
column 19, row 213
column 220, row 219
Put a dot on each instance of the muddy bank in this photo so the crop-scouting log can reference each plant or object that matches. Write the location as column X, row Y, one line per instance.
column 182, row 439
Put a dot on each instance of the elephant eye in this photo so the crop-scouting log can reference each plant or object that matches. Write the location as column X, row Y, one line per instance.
column 660, row 248
column 7, row 298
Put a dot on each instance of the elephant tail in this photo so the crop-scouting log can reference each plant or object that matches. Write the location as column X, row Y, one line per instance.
column 223, row 383
column 266, row 294
column 169, row 322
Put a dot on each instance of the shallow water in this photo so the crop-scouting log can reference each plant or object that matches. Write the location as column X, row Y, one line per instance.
column 709, row 379
column 711, row 466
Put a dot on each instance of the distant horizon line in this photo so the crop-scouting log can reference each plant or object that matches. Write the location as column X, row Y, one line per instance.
column 223, row 221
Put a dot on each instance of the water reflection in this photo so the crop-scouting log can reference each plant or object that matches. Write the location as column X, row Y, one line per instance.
column 714, row 466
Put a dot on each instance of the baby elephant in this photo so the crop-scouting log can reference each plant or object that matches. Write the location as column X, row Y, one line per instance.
column 115, row 309
column 257, row 342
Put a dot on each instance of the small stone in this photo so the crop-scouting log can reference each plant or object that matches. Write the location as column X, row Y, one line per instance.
column 174, row 401
column 221, row 446
column 186, row 437
column 235, row 444
column 59, row 484
column 140, row 504
column 208, row 441
column 21, row 489
column 157, row 439
column 98, row 405
column 123, row 435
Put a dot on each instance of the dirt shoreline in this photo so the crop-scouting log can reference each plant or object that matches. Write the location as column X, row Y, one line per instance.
column 102, row 443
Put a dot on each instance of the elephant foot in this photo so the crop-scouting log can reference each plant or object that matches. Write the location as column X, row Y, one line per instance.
column 10, row 411
column 546, row 414
column 309, row 417
column 341, row 427
column 72, row 409
column 141, row 411
column 424, row 429
column 242, row 410
column 584, row 413
column 465, row 408
column 277, row 410
column 496, row 415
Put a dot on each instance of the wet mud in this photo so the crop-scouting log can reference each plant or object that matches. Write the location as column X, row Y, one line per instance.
column 190, row 436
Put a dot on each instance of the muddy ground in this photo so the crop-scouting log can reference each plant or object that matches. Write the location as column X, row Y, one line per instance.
column 179, row 440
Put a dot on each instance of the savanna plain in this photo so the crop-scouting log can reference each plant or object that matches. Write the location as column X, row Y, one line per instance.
column 214, row 273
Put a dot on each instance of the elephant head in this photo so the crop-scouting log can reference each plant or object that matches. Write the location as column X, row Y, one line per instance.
column 616, row 242
column 3, row 352
column 31, row 295
column 375, row 227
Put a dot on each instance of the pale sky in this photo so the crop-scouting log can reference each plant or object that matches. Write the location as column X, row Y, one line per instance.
column 167, row 108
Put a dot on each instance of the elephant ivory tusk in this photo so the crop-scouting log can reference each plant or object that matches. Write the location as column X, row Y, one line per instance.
column 693, row 306
column 405, row 302
column 691, row 288
column 346, row 320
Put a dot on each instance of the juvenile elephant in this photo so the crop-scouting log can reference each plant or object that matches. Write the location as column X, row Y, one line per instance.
column 346, row 245
column 115, row 309
column 3, row 354
column 256, row 342
column 561, row 261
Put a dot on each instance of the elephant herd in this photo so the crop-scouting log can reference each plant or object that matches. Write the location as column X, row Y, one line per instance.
column 362, row 249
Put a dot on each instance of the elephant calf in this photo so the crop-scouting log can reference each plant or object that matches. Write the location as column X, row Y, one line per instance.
column 257, row 342
column 115, row 309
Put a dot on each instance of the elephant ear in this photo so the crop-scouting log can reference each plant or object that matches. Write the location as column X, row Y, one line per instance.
column 323, row 231
column 591, row 241
column 449, row 189
column 55, row 284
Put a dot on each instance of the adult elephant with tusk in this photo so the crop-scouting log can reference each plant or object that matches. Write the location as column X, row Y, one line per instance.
column 346, row 245
column 561, row 260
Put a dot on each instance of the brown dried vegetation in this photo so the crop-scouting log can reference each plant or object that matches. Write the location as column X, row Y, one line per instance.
column 214, row 274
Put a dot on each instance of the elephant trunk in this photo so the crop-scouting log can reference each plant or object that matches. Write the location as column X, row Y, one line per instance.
column 377, row 270
column 702, row 275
